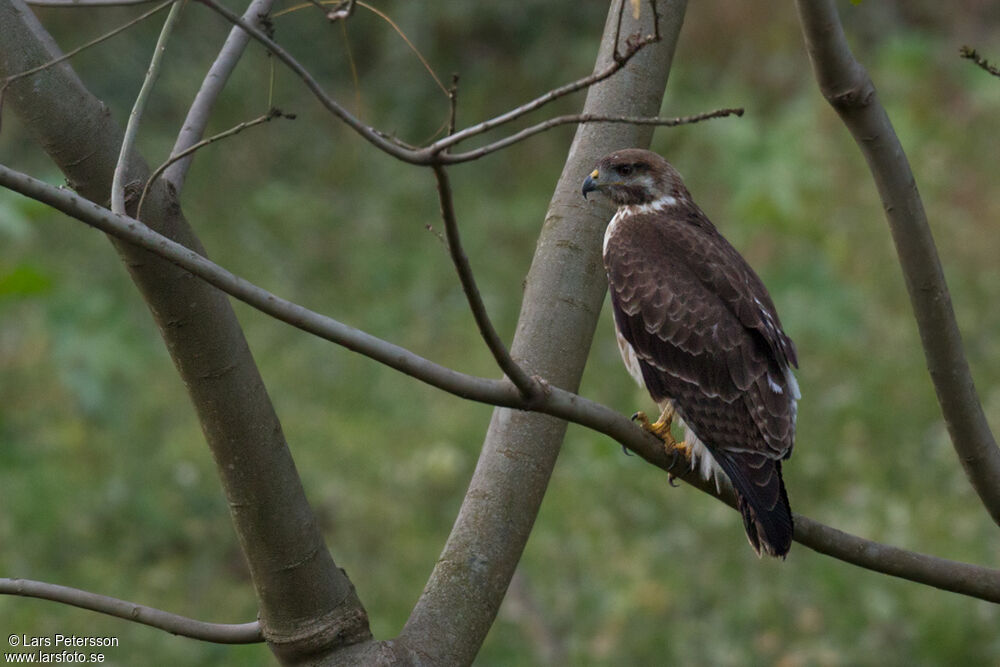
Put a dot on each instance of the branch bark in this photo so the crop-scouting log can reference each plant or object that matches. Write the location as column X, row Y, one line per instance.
column 218, row 633
column 848, row 88
column 306, row 602
column 562, row 300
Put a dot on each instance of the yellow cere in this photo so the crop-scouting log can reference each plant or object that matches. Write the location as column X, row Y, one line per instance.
column 595, row 174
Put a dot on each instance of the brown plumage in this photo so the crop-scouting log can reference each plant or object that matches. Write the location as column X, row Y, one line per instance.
column 698, row 328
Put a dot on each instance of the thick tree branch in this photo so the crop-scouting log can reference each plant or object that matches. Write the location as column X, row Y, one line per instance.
column 529, row 387
column 306, row 602
column 562, row 299
column 848, row 88
column 218, row 633
column 215, row 80
column 948, row 575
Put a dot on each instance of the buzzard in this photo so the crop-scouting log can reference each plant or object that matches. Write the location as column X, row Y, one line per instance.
column 696, row 326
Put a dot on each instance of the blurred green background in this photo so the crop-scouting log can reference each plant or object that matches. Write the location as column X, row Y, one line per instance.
column 105, row 481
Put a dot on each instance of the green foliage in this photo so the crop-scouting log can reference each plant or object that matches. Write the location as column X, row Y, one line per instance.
column 105, row 480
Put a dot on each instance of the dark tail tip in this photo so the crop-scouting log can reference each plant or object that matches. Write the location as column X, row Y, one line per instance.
column 762, row 501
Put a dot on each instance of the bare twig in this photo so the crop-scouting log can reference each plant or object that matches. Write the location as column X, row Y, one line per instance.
column 453, row 158
column 974, row 581
column 69, row 54
column 219, row 633
column 428, row 154
column 371, row 135
column 211, row 87
column 270, row 115
column 132, row 127
column 970, row 53
column 849, row 89
column 529, row 387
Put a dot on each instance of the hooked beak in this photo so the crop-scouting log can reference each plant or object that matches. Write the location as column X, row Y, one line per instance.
column 590, row 184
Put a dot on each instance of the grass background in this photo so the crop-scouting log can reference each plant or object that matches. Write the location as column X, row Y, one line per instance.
column 105, row 482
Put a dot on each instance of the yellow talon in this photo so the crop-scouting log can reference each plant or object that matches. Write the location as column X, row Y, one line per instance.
column 661, row 429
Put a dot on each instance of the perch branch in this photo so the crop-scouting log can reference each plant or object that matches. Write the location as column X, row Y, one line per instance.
column 965, row 579
column 528, row 387
column 132, row 127
column 219, row 633
column 215, row 80
column 849, row 89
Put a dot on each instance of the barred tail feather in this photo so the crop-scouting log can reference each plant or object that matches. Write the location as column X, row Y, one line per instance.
column 761, row 499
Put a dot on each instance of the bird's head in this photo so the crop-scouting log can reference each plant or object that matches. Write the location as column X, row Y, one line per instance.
column 635, row 176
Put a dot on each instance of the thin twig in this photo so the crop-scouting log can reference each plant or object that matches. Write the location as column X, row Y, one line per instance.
column 219, row 633
column 970, row 53
column 453, row 158
column 132, row 127
column 971, row 580
column 215, row 80
column 529, row 388
column 69, row 54
column 847, row 86
column 371, row 135
column 270, row 115
column 430, row 153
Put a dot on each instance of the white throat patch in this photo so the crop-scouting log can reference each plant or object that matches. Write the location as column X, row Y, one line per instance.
column 654, row 206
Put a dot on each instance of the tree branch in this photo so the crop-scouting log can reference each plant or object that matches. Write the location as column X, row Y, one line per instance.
column 219, row 633
column 475, row 154
column 174, row 158
column 529, row 387
column 433, row 153
column 215, row 80
column 848, row 88
column 306, row 602
column 132, row 127
column 972, row 580
column 563, row 293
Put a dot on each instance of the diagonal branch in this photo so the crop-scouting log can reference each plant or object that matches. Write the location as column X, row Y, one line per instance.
column 529, row 387
column 219, row 633
column 848, row 88
column 215, row 80
column 962, row 578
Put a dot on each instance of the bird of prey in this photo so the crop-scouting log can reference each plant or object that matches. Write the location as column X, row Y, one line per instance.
column 696, row 326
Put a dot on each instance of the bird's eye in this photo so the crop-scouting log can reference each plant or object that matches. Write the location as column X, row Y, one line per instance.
column 625, row 169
